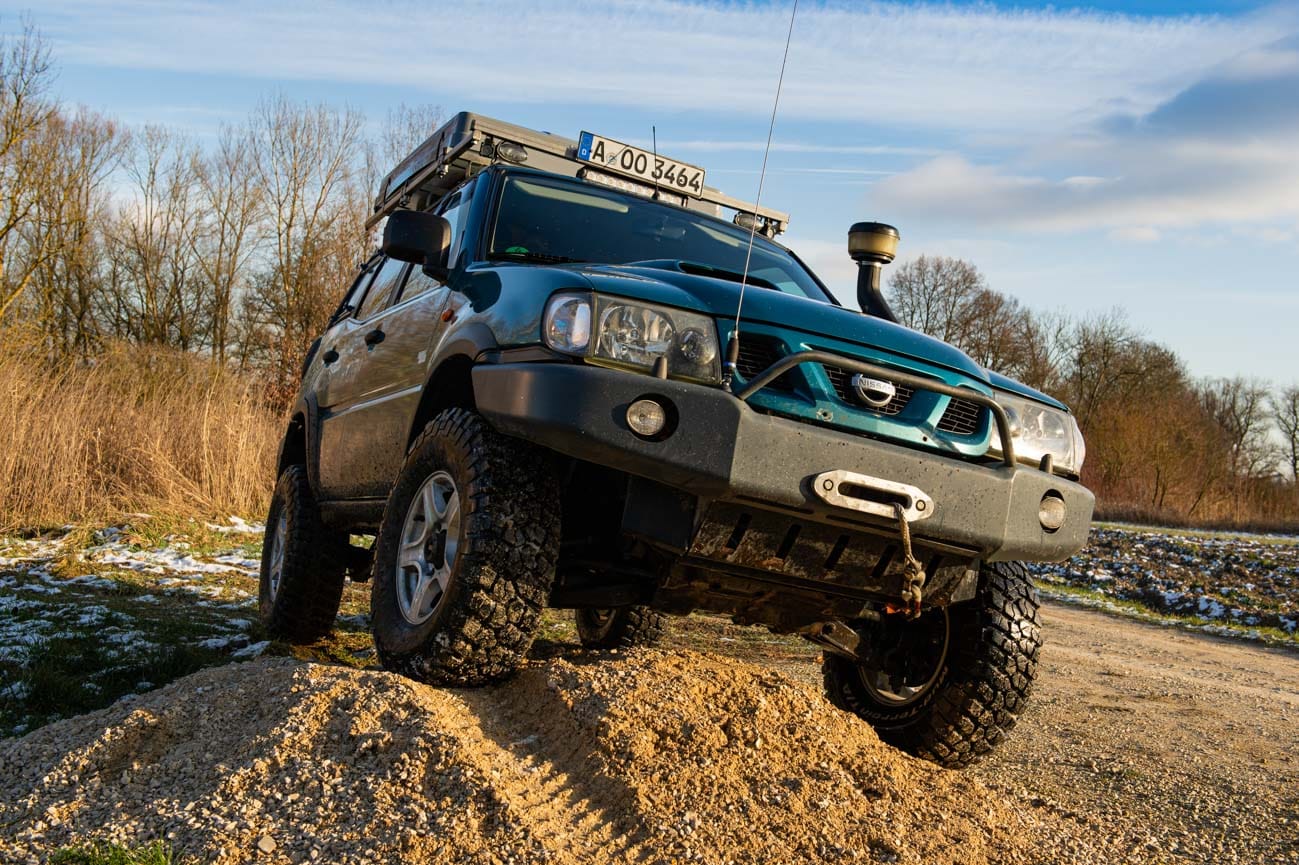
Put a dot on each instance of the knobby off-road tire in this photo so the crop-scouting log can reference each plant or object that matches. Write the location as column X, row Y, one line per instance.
column 497, row 554
column 302, row 575
column 619, row 628
column 980, row 689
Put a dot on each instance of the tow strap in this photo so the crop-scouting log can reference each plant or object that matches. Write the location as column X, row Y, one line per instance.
column 913, row 573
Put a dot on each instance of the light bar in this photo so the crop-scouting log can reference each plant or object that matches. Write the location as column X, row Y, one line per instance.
column 624, row 185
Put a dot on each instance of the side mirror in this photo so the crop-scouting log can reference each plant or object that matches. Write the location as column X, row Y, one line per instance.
column 418, row 237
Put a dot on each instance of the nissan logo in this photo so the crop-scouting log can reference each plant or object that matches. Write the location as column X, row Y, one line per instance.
column 875, row 392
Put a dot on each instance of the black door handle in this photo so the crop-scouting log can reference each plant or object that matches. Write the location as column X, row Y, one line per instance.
column 374, row 337
column 329, row 357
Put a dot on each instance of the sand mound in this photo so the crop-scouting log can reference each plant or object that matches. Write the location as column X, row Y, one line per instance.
column 646, row 757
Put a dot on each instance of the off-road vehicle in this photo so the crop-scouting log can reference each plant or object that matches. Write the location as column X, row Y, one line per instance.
column 568, row 380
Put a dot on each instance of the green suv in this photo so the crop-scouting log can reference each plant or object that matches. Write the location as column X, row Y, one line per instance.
column 568, row 380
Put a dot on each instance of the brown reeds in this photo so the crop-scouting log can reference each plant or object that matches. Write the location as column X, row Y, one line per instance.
column 137, row 429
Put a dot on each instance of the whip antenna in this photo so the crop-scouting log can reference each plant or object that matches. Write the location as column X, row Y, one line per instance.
column 733, row 347
column 654, row 139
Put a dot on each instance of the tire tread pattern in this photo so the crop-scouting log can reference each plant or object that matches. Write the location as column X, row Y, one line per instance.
column 311, row 582
column 627, row 628
column 509, row 498
column 992, row 662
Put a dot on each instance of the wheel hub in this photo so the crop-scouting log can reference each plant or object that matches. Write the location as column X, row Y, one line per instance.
column 908, row 658
column 430, row 541
column 278, row 544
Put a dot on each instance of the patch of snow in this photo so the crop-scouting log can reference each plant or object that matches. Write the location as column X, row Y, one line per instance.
column 252, row 651
column 239, row 562
column 16, row 691
column 238, row 527
column 1210, row 608
column 93, row 615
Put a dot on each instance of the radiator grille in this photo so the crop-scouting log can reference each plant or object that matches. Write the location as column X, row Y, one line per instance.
column 756, row 355
column 842, row 381
column 961, row 418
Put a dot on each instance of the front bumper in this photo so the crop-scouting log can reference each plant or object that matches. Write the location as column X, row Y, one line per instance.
column 722, row 449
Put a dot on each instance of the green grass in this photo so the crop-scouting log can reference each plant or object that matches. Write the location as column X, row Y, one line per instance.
column 102, row 853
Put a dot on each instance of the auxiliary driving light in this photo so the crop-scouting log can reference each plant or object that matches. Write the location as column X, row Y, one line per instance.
column 1051, row 512
column 646, row 418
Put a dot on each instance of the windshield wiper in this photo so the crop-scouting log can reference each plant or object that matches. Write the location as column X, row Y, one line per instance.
column 538, row 257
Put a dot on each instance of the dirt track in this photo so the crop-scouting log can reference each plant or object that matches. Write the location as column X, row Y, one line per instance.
column 1143, row 745
column 1185, row 747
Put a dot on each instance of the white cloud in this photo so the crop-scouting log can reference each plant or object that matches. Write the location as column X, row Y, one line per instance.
column 1137, row 234
column 977, row 69
column 1222, row 150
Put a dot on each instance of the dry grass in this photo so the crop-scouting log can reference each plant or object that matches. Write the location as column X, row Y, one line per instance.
column 138, row 429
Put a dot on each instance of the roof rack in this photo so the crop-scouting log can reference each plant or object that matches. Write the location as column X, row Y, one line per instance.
column 468, row 143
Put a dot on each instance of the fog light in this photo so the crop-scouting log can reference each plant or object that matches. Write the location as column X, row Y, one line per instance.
column 1051, row 512
column 646, row 418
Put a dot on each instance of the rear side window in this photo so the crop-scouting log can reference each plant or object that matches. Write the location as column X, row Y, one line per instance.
column 352, row 299
column 386, row 282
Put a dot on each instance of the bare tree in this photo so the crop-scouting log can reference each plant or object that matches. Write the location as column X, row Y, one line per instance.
column 157, row 296
column 305, row 158
column 1044, row 340
column 935, row 295
column 233, row 201
column 25, row 158
column 1285, row 411
column 994, row 333
column 404, row 128
column 70, row 220
column 1239, row 408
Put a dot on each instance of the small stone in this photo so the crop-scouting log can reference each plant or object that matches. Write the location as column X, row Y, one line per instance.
column 266, row 844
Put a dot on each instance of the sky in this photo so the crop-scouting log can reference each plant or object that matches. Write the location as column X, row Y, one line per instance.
column 1138, row 155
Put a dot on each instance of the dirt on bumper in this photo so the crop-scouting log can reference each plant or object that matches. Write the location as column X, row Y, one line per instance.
column 719, row 448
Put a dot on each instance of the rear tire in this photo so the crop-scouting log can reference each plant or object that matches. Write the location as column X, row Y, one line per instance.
column 619, row 627
column 980, row 682
column 465, row 556
column 301, row 579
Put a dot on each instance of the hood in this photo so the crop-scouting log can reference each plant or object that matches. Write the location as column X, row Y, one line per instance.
column 718, row 298
column 1006, row 383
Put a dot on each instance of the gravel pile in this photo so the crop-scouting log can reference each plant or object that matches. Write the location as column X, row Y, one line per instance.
column 644, row 757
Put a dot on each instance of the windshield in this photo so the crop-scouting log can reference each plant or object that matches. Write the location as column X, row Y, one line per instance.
column 556, row 221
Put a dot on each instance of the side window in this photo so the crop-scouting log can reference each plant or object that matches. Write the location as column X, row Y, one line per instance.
column 386, row 281
column 352, row 299
column 417, row 283
column 454, row 210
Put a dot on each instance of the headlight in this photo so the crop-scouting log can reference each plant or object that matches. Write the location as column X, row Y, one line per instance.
column 1036, row 430
column 626, row 333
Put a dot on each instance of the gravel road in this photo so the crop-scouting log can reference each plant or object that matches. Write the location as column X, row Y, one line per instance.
column 1181, row 747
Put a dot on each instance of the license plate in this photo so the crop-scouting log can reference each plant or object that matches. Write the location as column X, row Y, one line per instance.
column 631, row 161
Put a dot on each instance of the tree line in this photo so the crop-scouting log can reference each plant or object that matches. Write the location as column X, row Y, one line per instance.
column 1161, row 444
column 239, row 250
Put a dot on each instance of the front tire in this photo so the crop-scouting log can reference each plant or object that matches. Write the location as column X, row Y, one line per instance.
column 466, row 554
column 619, row 627
column 951, row 687
column 301, row 583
